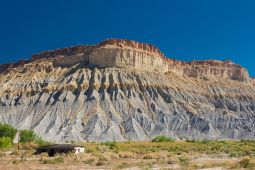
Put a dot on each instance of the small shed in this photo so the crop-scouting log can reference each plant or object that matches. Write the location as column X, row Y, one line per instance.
column 60, row 148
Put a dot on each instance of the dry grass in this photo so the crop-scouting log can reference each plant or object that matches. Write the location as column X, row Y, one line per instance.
column 127, row 154
column 143, row 155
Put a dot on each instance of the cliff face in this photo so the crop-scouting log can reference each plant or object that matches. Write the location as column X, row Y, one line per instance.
column 135, row 94
column 132, row 54
column 253, row 81
column 128, row 55
column 139, row 56
column 209, row 68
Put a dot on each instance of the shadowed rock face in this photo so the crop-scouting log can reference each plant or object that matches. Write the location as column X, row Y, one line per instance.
column 63, row 97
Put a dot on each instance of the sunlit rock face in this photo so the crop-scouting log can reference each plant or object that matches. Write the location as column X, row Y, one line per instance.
column 128, row 54
column 209, row 68
column 125, row 90
column 253, row 81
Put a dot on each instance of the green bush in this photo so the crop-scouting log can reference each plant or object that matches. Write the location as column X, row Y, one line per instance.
column 41, row 142
column 162, row 139
column 59, row 160
column 27, row 136
column 246, row 163
column 5, row 142
column 7, row 130
column 111, row 145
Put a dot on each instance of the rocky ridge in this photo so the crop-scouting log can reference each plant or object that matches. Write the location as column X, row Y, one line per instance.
column 125, row 90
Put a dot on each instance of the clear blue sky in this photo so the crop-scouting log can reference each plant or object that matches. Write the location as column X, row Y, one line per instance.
column 182, row 29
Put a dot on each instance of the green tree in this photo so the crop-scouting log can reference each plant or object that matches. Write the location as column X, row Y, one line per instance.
column 27, row 136
column 5, row 142
column 7, row 130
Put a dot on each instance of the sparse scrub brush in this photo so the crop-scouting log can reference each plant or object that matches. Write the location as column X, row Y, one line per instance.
column 162, row 139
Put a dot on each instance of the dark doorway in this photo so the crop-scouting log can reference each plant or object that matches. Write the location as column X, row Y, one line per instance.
column 51, row 153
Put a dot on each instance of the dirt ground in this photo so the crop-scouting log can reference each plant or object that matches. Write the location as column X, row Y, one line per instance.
column 136, row 156
column 85, row 161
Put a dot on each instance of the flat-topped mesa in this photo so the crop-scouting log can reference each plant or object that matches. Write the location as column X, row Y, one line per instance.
column 140, row 56
column 110, row 53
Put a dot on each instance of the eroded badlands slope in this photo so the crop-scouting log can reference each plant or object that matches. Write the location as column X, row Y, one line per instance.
column 81, row 102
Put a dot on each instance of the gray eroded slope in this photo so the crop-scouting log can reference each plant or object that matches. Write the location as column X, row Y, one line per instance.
column 79, row 104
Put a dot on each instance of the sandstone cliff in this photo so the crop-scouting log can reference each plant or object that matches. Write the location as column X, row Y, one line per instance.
column 139, row 56
column 132, row 92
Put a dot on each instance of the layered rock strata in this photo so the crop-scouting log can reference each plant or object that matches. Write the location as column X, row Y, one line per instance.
column 132, row 54
column 71, row 95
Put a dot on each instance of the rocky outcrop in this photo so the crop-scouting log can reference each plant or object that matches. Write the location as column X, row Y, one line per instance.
column 253, row 81
column 10, row 66
column 62, row 97
column 133, row 45
column 209, row 68
column 128, row 55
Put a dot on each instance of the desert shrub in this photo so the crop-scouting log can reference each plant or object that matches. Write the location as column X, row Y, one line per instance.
column 46, row 162
column 27, row 146
column 39, row 141
column 5, row 142
column 110, row 155
column 191, row 141
column 7, row 130
column 23, row 157
column 244, row 163
column 204, row 141
column 162, row 139
column 100, row 163
column 57, row 160
column 15, row 152
column 15, row 162
column 102, row 148
column 43, row 156
column 102, row 158
column 184, row 161
column 89, row 161
column 233, row 154
column 111, row 145
column 123, row 165
column 91, row 150
column 148, row 157
column 27, row 136
column 126, row 154
column 170, row 161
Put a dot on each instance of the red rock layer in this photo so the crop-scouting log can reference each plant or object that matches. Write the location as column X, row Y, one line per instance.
column 9, row 66
column 133, row 44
